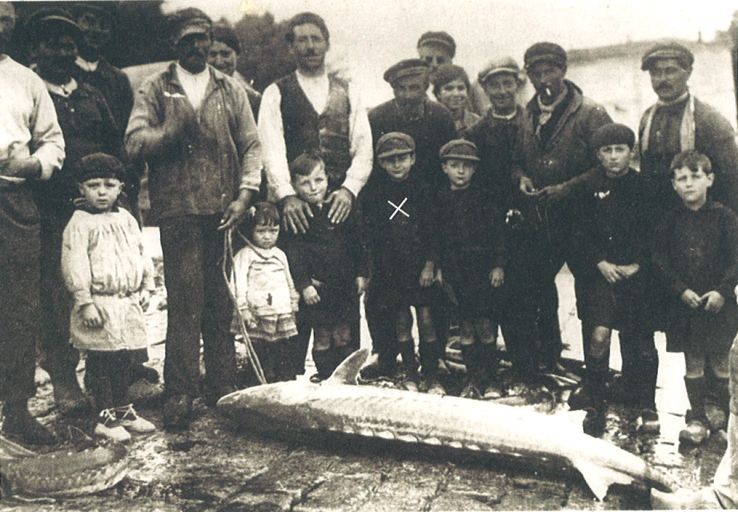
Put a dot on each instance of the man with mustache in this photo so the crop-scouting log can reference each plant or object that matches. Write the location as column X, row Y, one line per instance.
column 32, row 149
column 312, row 109
column 553, row 153
column 88, row 127
column 194, row 127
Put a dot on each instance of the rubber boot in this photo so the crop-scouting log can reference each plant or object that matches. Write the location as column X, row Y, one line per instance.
column 695, row 432
column 429, row 354
column 18, row 423
column 596, row 388
column 474, row 377
column 489, row 363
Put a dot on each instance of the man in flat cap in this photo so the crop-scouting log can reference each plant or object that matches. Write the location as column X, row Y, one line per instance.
column 32, row 149
column 553, row 153
column 194, row 127
column 678, row 122
column 88, row 127
column 223, row 56
column 438, row 48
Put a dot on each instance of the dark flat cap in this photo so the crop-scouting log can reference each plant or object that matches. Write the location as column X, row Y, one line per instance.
column 395, row 143
column 440, row 38
column 407, row 67
column 545, row 52
column 51, row 21
column 99, row 165
column 227, row 36
column 668, row 50
column 459, row 149
column 500, row 65
column 103, row 9
column 190, row 21
column 611, row 134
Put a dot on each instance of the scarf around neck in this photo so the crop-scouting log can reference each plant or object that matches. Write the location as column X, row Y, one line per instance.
column 686, row 128
column 546, row 111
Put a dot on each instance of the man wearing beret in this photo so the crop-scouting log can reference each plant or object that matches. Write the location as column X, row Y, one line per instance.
column 33, row 149
column 194, row 127
column 553, row 153
column 438, row 48
column 88, row 127
column 223, row 56
column 678, row 122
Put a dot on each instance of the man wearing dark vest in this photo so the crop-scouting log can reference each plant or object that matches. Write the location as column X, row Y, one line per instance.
column 312, row 109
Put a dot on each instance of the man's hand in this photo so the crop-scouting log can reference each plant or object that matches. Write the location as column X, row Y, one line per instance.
column 555, row 193
column 526, row 186
column 427, row 275
column 713, row 301
column 296, row 213
column 341, row 202
column 691, row 299
column 233, row 214
column 360, row 285
column 248, row 317
column 310, row 295
column 628, row 271
column 91, row 317
column 497, row 277
column 178, row 121
column 21, row 167
column 610, row 272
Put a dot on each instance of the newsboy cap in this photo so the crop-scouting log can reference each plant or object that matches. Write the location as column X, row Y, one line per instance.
column 613, row 133
column 500, row 65
column 99, row 165
column 668, row 50
column 545, row 52
column 439, row 38
column 189, row 21
column 459, row 149
column 50, row 21
column 395, row 143
column 407, row 67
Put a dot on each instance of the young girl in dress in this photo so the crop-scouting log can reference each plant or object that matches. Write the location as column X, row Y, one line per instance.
column 110, row 279
column 265, row 293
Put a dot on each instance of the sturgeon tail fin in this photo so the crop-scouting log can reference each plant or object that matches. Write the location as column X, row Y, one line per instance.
column 348, row 370
column 599, row 478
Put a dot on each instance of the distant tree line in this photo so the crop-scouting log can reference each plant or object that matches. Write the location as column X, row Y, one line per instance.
column 140, row 36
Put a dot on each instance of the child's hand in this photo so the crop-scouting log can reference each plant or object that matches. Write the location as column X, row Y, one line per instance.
column 315, row 282
column 427, row 275
column 628, row 271
column 248, row 317
column 610, row 272
column 360, row 285
column 691, row 299
column 91, row 317
column 439, row 276
column 497, row 277
column 310, row 294
column 714, row 301
column 144, row 298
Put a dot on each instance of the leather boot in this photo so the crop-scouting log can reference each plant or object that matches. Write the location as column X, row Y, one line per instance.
column 325, row 362
column 716, row 404
column 18, row 423
column 68, row 396
column 596, row 387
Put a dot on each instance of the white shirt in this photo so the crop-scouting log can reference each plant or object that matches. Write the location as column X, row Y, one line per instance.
column 194, row 84
column 274, row 149
column 28, row 119
column 86, row 65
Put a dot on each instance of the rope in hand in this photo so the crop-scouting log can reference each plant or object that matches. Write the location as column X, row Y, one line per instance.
column 230, row 279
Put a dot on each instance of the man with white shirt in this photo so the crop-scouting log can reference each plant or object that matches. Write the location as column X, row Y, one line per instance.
column 311, row 109
column 194, row 127
column 31, row 148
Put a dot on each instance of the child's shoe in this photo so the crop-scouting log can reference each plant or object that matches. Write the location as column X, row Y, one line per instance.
column 492, row 392
column 108, row 426
column 381, row 368
column 470, row 391
column 716, row 417
column 648, row 422
column 429, row 384
column 595, row 420
column 579, row 399
column 132, row 422
column 696, row 432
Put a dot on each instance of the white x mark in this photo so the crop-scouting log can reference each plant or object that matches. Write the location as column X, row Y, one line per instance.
column 398, row 209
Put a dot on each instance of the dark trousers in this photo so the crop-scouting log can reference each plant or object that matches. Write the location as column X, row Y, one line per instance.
column 58, row 357
column 198, row 302
column 19, row 292
column 108, row 376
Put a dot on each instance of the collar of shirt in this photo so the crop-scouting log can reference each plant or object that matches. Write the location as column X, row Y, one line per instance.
column 86, row 65
column 680, row 99
column 64, row 90
column 194, row 84
column 316, row 89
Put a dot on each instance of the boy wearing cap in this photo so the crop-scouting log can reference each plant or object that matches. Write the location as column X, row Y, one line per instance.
column 696, row 257
column 472, row 258
column 110, row 280
column 451, row 88
column 612, row 286
column 402, row 233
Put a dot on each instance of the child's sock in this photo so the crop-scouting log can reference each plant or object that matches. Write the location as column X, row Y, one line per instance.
column 696, row 391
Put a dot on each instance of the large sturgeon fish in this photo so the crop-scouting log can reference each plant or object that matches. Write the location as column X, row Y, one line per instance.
column 61, row 473
column 335, row 406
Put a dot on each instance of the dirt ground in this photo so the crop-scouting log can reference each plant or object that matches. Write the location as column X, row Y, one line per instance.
column 214, row 466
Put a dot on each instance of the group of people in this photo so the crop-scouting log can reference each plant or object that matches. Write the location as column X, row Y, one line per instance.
column 464, row 209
